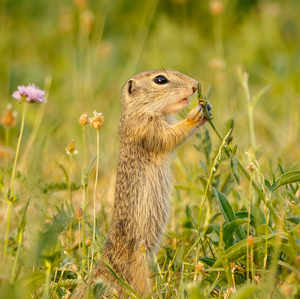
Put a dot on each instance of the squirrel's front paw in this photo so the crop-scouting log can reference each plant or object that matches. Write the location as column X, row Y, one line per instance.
column 196, row 116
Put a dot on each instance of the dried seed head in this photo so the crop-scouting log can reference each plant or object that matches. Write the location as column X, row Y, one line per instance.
column 97, row 121
column 84, row 119
column 79, row 213
column 251, row 167
column 250, row 241
column 199, row 267
column 9, row 118
column 216, row 8
column 71, row 149
column 298, row 259
column 88, row 242
column 73, row 267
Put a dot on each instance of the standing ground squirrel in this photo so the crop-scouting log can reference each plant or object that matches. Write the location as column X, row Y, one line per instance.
column 148, row 134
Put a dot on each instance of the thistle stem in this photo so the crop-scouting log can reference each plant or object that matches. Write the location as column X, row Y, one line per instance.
column 11, row 199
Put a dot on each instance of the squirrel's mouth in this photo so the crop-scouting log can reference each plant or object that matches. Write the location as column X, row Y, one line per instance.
column 185, row 101
column 176, row 107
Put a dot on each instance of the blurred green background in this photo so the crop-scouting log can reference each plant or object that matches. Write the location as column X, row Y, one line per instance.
column 90, row 48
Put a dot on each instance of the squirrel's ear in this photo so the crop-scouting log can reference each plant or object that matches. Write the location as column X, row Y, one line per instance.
column 131, row 87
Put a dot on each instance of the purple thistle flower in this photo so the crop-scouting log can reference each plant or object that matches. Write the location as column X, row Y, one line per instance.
column 32, row 93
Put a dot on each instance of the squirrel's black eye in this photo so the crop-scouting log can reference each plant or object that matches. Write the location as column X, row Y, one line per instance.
column 160, row 80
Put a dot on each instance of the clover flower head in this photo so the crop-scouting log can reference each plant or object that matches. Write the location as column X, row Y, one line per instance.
column 97, row 120
column 71, row 149
column 30, row 93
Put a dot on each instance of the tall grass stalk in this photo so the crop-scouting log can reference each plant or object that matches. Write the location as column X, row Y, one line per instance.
column 11, row 198
column 6, row 144
column 248, row 225
column 244, row 78
column 95, row 194
column 84, row 247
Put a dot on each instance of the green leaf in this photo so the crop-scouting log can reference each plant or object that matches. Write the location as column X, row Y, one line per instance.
column 225, row 206
column 239, row 250
column 261, row 229
column 200, row 96
column 260, row 94
column 288, row 178
column 244, row 215
column 32, row 280
column 229, row 125
column 234, row 169
column 1, row 182
column 208, row 261
column 295, row 220
column 65, row 172
column 90, row 167
column 22, row 226
column 230, row 228
column 227, row 212
column 246, row 291
column 225, row 262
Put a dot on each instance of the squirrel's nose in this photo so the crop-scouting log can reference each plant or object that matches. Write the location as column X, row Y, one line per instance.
column 194, row 88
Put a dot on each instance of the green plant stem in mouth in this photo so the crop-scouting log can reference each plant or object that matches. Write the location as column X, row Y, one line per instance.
column 11, row 197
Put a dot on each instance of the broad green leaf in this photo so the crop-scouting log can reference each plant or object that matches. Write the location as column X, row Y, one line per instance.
column 208, row 261
column 287, row 249
column 244, row 215
column 225, row 206
column 227, row 212
column 246, row 291
column 261, row 229
column 287, row 178
column 212, row 227
column 230, row 228
column 239, row 250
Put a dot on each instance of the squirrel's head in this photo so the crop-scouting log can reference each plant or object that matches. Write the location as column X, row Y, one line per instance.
column 157, row 91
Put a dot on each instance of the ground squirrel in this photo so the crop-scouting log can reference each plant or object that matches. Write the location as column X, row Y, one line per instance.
column 148, row 134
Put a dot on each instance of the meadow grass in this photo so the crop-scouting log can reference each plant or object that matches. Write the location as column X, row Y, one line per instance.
column 234, row 230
